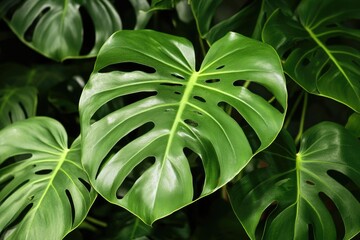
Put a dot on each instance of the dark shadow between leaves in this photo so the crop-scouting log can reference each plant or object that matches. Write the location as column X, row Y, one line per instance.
column 260, row 228
column 335, row 214
column 88, row 32
column 197, row 171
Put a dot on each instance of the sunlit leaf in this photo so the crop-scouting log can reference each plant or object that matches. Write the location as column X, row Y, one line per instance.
column 175, row 117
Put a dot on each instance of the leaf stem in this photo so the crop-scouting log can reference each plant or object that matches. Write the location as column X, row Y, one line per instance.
column 303, row 113
column 203, row 51
column 96, row 221
column 133, row 232
column 293, row 110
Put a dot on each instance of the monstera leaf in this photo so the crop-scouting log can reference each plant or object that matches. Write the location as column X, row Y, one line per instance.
column 17, row 103
column 174, row 113
column 44, row 192
column 320, row 48
column 304, row 195
column 56, row 28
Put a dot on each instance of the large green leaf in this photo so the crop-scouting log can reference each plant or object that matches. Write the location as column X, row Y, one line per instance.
column 184, row 113
column 320, row 48
column 44, row 192
column 17, row 103
column 56, row 28
column 310, row 193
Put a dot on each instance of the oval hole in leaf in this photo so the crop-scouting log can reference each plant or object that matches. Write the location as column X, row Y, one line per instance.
column 28, row 35
column 177, row 93
column 133, row 176
column 127, row 67
column 263, row 219
column 68, row 194
column 129, row 137
column 310, row 182
column 335, row 214
column 201, row 99
column 85, row 183
column 239, row 83
column 346, row 182
column 88, row 31
column 197, row 171
column 43, row 172
column 197, row 113
column 191, row 123
column 14, row 159
column 220, row 67
column 212, row 80
column 5, row 182
column 23, row 109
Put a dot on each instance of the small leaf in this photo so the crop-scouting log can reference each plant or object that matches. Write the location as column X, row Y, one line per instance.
column 320, row 48
column 163, row 4
column 204, row 12
column 56, row 28
column 175, row 117
column 44, row 192
column 143, row 15
column 17, row 103
column 353, row 124
column 305, row 195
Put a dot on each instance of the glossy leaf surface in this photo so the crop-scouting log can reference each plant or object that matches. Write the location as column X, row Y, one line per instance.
column 56, row 28
column 173, row 110
column 321, row 49
column 305, row 195
column 44, row 192
column 17, row 103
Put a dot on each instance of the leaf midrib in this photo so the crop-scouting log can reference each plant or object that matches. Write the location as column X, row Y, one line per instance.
column 62, row 159
column 182, row 104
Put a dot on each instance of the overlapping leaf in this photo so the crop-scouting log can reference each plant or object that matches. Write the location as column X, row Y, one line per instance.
column 320, row 48
column 17, row 103
column 44, row 192
column 174, row 110
column 56, row 28
column 305, row 195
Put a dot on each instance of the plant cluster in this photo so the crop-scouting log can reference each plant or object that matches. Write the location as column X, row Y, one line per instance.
column 179, row 119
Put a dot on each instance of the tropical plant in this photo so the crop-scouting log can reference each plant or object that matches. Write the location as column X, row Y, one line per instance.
column 179, row 119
